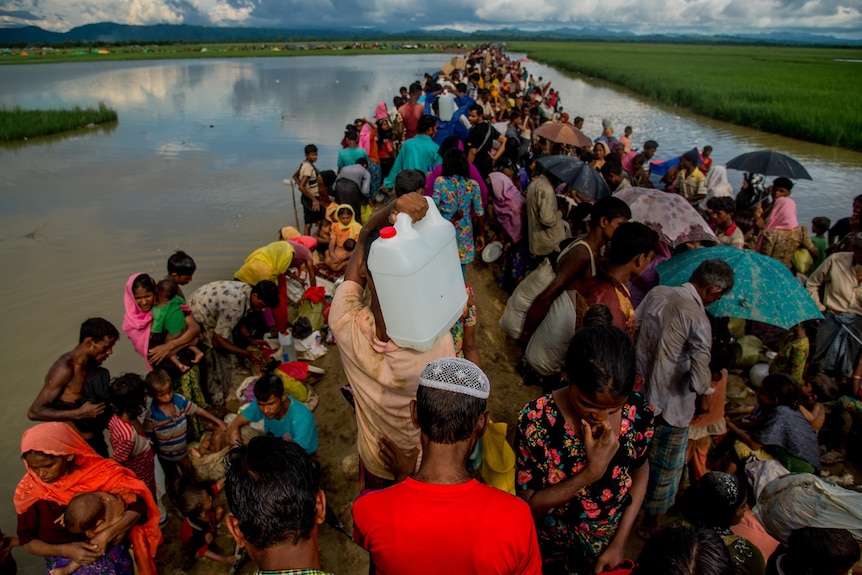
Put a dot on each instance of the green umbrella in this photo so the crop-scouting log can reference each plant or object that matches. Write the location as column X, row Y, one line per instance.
column 764, row 290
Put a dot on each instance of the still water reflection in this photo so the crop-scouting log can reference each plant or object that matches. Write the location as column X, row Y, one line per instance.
column 196, row 162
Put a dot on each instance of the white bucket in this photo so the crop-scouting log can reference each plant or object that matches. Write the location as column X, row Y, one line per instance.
column 416, row 272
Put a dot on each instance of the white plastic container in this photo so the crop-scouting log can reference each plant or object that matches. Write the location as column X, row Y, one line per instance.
column 416, row 271
column 287, row 346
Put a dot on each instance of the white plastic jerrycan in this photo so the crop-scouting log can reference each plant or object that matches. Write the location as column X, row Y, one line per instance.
column 416, row 271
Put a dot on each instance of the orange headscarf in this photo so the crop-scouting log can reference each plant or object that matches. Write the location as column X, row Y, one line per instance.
column 91, row 472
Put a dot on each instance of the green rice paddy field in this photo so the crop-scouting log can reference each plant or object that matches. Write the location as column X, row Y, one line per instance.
column 18, row 124
column 810, row 94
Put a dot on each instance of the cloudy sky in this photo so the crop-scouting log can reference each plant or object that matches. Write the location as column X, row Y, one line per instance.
column 839, row 17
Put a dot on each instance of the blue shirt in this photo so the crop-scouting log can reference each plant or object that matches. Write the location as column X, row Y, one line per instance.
column 296, row 425
column 418, row 153
column 348, row 156
column 169, row 431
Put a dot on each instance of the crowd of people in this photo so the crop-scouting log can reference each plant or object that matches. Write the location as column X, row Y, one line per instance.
column 627, row 437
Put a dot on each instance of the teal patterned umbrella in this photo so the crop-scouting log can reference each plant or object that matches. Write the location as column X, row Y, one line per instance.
column 763, row 290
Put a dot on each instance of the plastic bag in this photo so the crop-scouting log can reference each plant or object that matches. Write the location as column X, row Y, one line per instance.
column 311, row 306
column 311, row 347
column 802, row 261
column 804, row 500
column 293, row 387
column 762, row 472
column 752, row 352
column 757, row 374
column 498, row 459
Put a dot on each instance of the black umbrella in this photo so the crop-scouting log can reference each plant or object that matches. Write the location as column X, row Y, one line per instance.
column 769, row 163
column 577, row 175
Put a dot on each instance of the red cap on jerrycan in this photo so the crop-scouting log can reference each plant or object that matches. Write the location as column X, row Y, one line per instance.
column 388, row 232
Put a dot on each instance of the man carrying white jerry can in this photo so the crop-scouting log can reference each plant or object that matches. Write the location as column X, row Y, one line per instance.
column 417, row 293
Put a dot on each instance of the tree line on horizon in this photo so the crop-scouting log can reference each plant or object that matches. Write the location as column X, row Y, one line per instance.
column 112, row 34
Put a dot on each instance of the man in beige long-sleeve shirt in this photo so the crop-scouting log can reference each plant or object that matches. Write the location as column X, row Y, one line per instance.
column 837, row 344
column 545, row 228
column 842, row 291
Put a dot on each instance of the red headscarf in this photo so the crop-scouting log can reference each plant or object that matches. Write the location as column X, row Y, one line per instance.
column 91, row 472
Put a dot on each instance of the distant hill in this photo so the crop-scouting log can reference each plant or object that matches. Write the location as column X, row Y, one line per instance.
column 110, row 32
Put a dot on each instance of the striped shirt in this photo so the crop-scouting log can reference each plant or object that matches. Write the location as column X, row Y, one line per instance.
column 132, row 450
column 169, row 431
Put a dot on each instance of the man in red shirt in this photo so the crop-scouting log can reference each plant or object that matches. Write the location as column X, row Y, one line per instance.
column 412, row 111
column 441, row 520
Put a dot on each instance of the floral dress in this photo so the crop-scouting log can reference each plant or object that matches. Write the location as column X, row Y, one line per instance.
column 458, row 193
column 792, row 357
column 548, row 452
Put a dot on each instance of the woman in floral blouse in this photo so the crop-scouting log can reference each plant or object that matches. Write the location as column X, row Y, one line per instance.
column 582, row 455
column 459, row 198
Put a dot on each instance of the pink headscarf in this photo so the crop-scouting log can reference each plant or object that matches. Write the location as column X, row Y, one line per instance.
column 783, row 216
column 508, row 204
column 380, row 111
column 365, row 138
column 137, row 323
column 628, row 161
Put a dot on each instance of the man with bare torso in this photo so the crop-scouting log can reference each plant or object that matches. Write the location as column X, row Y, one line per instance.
column 76, row 386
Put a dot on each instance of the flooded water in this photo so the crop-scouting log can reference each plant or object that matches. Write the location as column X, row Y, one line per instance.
column 197, row 162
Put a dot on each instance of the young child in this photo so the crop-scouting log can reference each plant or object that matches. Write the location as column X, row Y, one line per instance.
column 710, row 422
column 323, row 231
column 779, row 430
column 306, row 178
column 90, row 514
column 819, row 226
column 792, row 353
column 816, row 389
column 847, row 410
column 706, row 162
column 8, row 566
column 626, row 139
column 168, row 317
column 336, row 258
column 166, row 422
column 213, row 442
column 181, row 269
column 201, row 519
column 815, row 550
column 130, row 445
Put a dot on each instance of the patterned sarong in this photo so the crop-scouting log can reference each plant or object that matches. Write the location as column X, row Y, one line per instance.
column 666, row 462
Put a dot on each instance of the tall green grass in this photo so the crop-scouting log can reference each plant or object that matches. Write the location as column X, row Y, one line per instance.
column 803, row 93
column 18, row 124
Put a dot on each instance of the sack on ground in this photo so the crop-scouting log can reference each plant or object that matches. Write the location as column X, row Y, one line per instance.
column 512, row 321
column 804, row 500
column 546, row 351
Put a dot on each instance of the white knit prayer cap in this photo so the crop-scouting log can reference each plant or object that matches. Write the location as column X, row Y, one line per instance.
column 457, row 375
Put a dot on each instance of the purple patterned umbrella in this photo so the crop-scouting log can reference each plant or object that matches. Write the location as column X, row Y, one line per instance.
column 669, row 214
